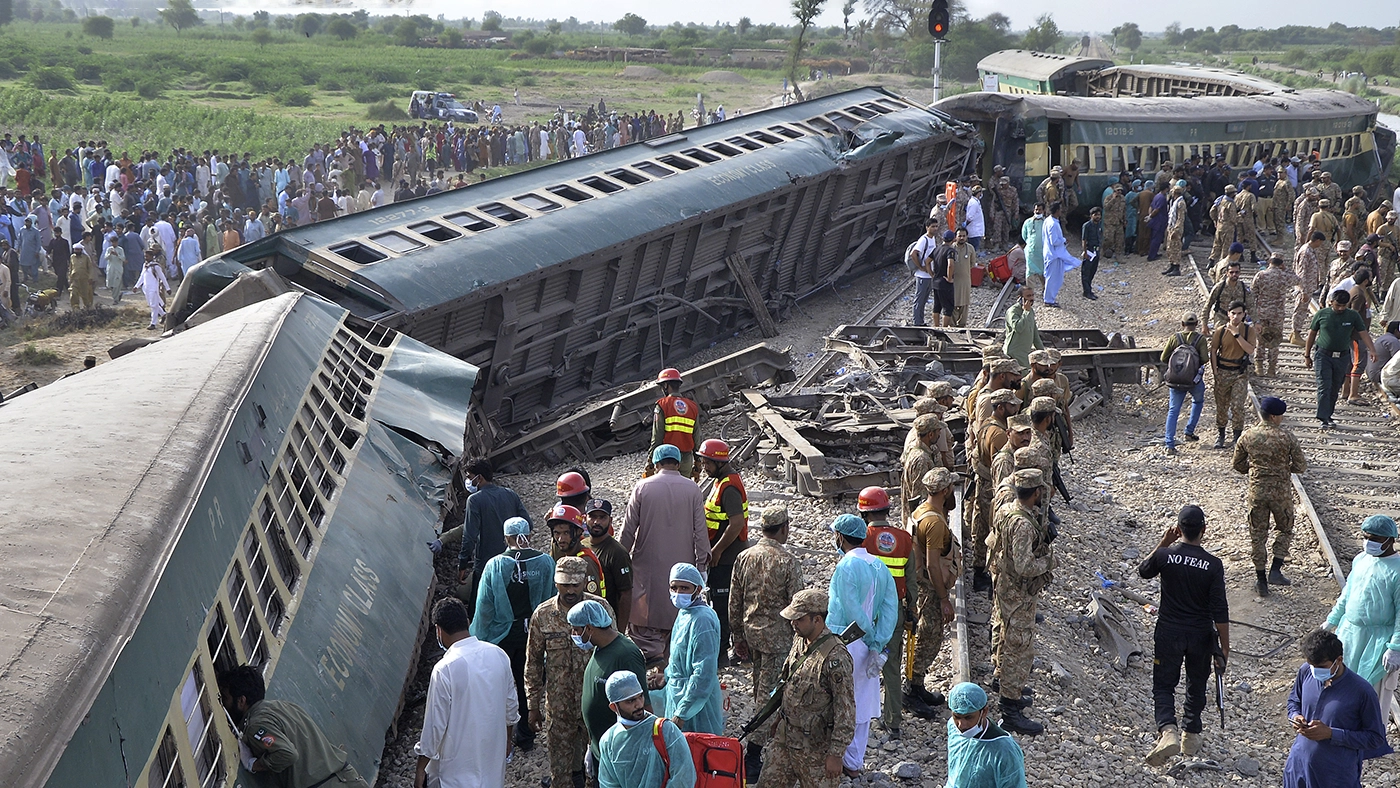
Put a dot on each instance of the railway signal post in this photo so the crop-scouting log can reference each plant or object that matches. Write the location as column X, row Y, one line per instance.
column 938, row 28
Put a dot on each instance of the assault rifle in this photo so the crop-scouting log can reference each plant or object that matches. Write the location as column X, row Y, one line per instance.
column 850, row 634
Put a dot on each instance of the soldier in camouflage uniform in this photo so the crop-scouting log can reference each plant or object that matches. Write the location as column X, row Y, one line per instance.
column 1227, row 291
column 1006, row 209
column 921, row 406
column 991, row 436
column 1115, row 218
column 818, row 716
column 1225, row 216
column 766, row 577
column 1303, row 209
column 1231, row 346
column 1176, row 230
column 1332, row 192
column 1283, row 203
column 1271, row 288
column 934, row 449
column 1246, row 202
column 1269, row 454
column 1387, row 252
column 1019, row 431
column 554, row 673
column 1325, row 222
column 1354, row 217
column 1308, row 267
column 1023, row 569
column 937, row 571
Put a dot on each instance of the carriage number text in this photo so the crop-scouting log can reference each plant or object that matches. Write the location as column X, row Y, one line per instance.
column 1118, row 131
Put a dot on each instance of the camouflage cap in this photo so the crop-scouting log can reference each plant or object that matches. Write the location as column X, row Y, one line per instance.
column 1041, row 357
column 1230, row 188
column 1004, row 397
column 926, row 424
column 1043, row 405
column 924, row 405
column 1026, row 478
column 806, row 602
column 774, row 517
column 1055, row 355
column 938, row 479
column 1021, row 422
column 1324, row 202
column 1045, row 387
column 991, row 352
column 940, row 389
column 571, row 569
column 1006, row 365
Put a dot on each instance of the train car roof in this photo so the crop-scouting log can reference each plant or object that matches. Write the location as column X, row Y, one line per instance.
column 1304, row 104
column 1203, row 74
column 588, row 204
column 1038, row 65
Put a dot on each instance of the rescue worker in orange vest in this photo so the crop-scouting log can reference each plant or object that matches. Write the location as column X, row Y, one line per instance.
column 566, row 525
column 727, row 518
column 895, row 549
column 673, row 422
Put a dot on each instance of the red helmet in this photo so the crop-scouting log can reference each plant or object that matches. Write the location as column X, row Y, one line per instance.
column 714, row 449
column 565, row 513
column 669, row 375
column 873, row 499
column 571, row 484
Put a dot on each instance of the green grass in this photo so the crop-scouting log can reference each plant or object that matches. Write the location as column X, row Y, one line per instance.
column 31, row 356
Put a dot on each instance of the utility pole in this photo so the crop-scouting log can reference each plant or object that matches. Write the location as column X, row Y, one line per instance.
column 938, row 28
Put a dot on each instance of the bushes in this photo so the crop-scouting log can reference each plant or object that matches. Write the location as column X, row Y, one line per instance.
column 369, row 94
column 149, row 87
column 293, row 97
column 51, row 78
column 385, row 110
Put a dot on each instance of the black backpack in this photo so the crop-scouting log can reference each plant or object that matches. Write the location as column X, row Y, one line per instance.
column 1184, row 364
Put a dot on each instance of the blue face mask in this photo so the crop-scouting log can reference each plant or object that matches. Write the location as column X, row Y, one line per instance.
column 578, row 641
column 1323, row 675
column 1373, row 547
column 682, row 601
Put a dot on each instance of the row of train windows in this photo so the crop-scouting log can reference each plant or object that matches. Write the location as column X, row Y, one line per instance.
column 495, row 214
column 1112, row 159
column 246, row 620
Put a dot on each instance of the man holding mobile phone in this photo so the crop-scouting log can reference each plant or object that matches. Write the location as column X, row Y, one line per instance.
column 1336, row 715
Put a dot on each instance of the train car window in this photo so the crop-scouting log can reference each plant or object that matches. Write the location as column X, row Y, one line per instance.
column 569, row 193
column 894, row 104
column 872, row 106
column 260, row 577
column 701, row 155
column 745, row 143
column 1118, row 158
column 1100, row 159
column 1327, row 148
column 859, row 111
column 678, row 162
column 165, row 771
column 537, row 203
column 501, row 211
column 661, row 142
column 721, row 148
column 470, row 221
column 824, row 125
column 1149, row 158
column 434, row 231
column 356, row 252
column 199, row 728
column 1347, row 149
column 763, row 136
column 790, row 133
column 278, row 538
column 221, row 649
column 250, row 632
column 397, row 242
column 1179, row 152
column 653, row 169
column 626, row 176
column 1081, row 153
column 1134, row 156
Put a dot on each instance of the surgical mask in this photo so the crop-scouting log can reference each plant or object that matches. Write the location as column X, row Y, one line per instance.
column 626, row 723
column 1323, row 675
column 1373, row 547
column 439, row 641
column 974, row 731
column 471, row 488
column 682, row 601
column 578, row 641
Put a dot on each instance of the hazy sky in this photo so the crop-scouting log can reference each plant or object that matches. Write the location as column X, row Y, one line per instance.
column 1096, row 15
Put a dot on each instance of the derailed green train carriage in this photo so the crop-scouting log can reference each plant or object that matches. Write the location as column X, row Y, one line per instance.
column 255, row 490
column 1030, row 134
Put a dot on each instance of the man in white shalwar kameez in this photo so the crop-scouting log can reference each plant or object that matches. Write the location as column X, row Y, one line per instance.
column 165, row 233
column 471, row 710
column 153, row 284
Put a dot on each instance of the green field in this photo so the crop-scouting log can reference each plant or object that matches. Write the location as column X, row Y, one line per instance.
column 212, row 87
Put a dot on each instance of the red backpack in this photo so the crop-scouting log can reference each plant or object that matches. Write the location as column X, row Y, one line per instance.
column 719, row 760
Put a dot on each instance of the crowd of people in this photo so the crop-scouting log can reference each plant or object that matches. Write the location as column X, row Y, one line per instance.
column 72, row 211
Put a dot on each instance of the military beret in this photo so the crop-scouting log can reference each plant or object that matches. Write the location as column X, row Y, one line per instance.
column 926, row 424
column 1043, row 405
column 804, row 603
column 774, row 517
column 571, row 569
column 1026, row 478
column 1236, row 248
column 1040, row 357
column 1273, row 406
column 1021, row 422
column 940, row 389
column 938, row 479
column 1004, row 397
column 1006, row 365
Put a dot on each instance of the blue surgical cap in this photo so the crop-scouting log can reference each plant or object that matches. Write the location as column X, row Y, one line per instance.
column 967, row 698
column 849, row 525
column 687, row 573
column 517, row 526
column 623, row 685
column 589, row 613
column 665, row 452
column 1379, row 525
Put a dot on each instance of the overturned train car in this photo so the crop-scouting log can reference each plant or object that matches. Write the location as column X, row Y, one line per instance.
column 565, row 280
column 255, row 490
